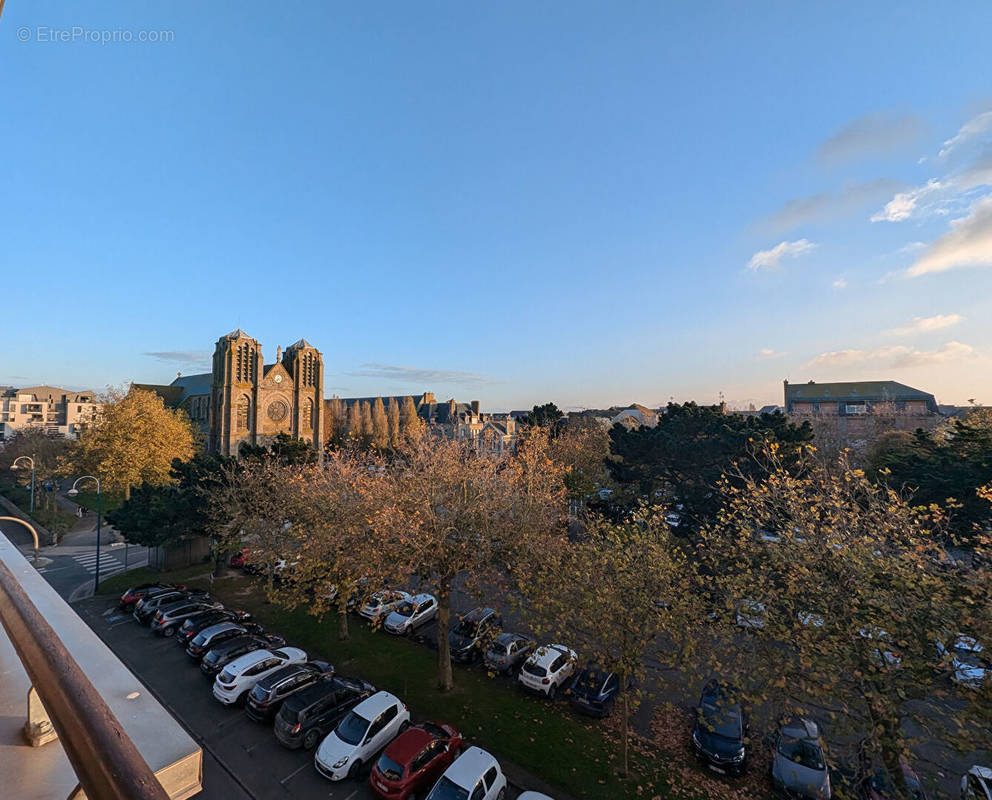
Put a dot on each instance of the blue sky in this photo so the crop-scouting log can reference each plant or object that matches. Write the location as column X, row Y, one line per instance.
column 582, row 202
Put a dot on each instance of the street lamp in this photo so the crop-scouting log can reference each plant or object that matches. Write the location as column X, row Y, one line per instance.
column 99, row 512
column 14, row 466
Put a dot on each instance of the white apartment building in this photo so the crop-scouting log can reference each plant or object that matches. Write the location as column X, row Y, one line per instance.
column 57, row 412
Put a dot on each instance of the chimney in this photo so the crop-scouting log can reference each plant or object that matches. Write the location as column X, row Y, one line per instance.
column 278, row 353
column 475, row 407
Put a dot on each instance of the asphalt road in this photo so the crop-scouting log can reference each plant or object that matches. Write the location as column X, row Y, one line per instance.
column 242, row 758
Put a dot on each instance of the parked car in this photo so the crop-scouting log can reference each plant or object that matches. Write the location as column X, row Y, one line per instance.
column 168, row 618
column 473, row 634
column 145, row 608
column 533, row 796
column 198, row 622
column 239, row 677
column 267, row 696
column 547, row 669
column 219, row 656
column 411, row 614
column 720, row 733
column 240, row 559
column 969, row 662
column 360, row 735
column 309, row 715
column 475, row 774
column 594, row 691
column 136, row 593
column 880, row 786
column 381, row 604
column 508, row 651
column 413, row 762
column 213, row 635
column 799, row 768
column 977, row 784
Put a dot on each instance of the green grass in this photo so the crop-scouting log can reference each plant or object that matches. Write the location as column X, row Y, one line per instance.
column 196, row 575
column 87, row 499
column 575, row 754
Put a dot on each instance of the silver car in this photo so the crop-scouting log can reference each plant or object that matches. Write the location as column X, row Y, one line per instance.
column 799, row 768
column 508, row 651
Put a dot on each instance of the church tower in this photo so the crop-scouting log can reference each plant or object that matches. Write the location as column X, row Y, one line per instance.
column 305, row 365
column 237, row 369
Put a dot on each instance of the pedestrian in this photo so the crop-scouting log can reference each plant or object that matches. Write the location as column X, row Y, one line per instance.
column 79, row 511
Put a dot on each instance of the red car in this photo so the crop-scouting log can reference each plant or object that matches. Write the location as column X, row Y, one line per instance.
column 136, row 593
column 414, row 761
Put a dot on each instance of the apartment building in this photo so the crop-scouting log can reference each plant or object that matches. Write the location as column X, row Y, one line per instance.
column 57, row 412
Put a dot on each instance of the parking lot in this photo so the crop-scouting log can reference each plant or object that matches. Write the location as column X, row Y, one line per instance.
column 242, row 758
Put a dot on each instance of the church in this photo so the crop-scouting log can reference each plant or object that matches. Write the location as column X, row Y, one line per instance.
column 245, row 400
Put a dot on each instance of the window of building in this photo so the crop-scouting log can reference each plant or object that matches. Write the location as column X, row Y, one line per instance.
column 244, row 413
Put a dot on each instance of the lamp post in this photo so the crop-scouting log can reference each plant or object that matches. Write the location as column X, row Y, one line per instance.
column 14, row 466
column 99, row 513
column 30, row 527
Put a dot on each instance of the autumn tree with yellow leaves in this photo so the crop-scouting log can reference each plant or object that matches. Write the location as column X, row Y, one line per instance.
column 132, row 441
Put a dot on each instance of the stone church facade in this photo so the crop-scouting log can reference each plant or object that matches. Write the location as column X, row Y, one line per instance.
column 245, row 400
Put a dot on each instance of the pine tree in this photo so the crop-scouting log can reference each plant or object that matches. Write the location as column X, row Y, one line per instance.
column 380, row 425
column 411, row 426
column 393, row 417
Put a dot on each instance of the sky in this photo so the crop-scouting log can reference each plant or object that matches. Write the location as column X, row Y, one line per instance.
column 580, row 202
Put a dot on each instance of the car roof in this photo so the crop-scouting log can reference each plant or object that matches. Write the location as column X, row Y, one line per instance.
column 287, row 671
column 417, row 599
column 372, row 707
column 478, row 613
column 220, row 626
column 319, row 690
column 547, row 653
column 801, row 728
column 408, row 744
column 248, row 660
column 470, row 766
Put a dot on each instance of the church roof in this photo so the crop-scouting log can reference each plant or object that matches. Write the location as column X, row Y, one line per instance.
column 182, row 387
column 299, row 345
column 237, row 334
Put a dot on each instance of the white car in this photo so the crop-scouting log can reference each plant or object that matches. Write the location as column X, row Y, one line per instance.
column 474, row 774
column 969, row 660
column 411, row 613
column 363, row 732
column 977, row 784
column 533, row 796
column 239, row 677
column 547, row 669
column 381, row 604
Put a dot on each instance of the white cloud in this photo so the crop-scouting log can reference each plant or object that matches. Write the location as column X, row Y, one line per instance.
column 926, row 324
column 895, row 357
column 840, row 283
column 769, row 259
column 827, row 206
column 767, row 352
column 972, row 128
column 911, row 247
column 905, row 204
column 967, row 244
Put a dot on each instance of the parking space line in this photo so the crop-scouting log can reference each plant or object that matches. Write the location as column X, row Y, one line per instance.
column 294, row 773
column 351, row 795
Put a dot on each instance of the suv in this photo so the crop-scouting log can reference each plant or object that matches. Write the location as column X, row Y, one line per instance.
column 168, row 618
column 223, row 654
column 145, row 608
column 268, row 695
column 720, row 734
column 474, row 633
column 309, row 715
column 547, row 669
column 207, row 619
column 136, row 593
column 239, row 677
column 213, row 635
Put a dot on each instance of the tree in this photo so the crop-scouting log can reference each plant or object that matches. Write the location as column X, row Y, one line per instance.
column 365, row 411
column 837, row 583
column 134, row 440
column 692, row 447
column 46, row 452
column 411, row 425
column 583, row 447
column 393, row 419
column 380, row 425
column 291, row 450
column 546, row 416
column 355, row 430
column 640, row 601
column 335, row 422
column 467, row 517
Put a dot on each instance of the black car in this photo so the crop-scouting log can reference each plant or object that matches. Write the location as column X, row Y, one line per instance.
column 167, row 619
column 720, row 735
column 218, row 657
column 594, row 691
column 308, row 716
column 205, row 619
column 146, row 608
column 474, row 633
column 267, row 696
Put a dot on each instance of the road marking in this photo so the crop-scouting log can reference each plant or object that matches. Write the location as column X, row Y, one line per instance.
column 294, row 773
column 351, row 795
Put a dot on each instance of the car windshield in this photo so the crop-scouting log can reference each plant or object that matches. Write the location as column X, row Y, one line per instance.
column 352, row 728
column 259, row 692
column 405, row 609
column 211, row 657
column 447, row 789
column 802, row 751
column 467, row 627
column 389, row 768
column 226, row 676
column 199, row 639
column 721, row 719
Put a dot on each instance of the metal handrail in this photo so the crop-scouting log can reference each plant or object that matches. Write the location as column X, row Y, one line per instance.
column 104, row 758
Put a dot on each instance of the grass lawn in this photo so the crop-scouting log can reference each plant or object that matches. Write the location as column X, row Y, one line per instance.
column 197, row 575
column 87, row 499
column 547, row 740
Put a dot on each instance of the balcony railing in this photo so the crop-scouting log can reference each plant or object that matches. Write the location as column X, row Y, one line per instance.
column 121, row 744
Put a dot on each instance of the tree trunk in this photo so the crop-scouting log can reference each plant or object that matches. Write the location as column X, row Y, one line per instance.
column 127, row 492
column 445, row 679
column 891, row 743
column 625, row 734
column 343, row 635
column 218, row 561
